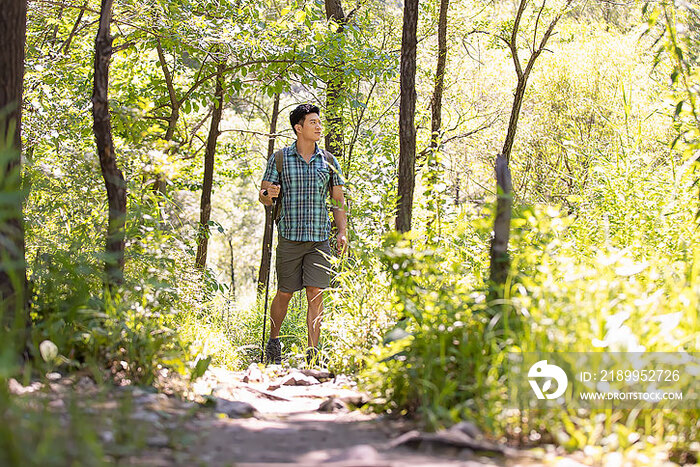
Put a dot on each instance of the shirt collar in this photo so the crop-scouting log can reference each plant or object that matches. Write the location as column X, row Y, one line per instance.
column 317, row 150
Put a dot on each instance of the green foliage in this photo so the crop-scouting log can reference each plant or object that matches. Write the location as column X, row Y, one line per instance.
column 678, row 42
column 448, row 334
column 357, row 315
column 609, row 264
column 570, row 290
column 34, row 436
column 65, row 234
column 609, row 259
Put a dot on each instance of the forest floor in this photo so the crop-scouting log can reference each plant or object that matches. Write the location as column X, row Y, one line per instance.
column 275, row 416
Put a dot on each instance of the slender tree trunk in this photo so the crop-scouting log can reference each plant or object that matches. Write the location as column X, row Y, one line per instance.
column 334, row 88
column 273, row 125
column 500, row 261
column 66, row 45
column 232, row 292
column 160, row 185
column 436, row 121
column 264, row 271
column 407, row 110
column 436, row 105
column 334, row 10
column 334, row 118
column 54, row 32
column 209, row 155
column 172, row 95
column 102, row 127
column 514, row 117
column 457, row 182
column 13, row 16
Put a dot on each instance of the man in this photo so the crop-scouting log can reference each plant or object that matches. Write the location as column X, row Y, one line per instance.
column 307, row 177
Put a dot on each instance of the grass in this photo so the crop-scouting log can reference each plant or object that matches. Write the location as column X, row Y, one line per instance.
column 578, row 284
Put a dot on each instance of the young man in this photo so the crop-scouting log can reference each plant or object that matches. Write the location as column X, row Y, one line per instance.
column 304, row 227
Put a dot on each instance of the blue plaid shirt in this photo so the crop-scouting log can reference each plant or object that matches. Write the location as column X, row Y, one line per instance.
column 304, row 216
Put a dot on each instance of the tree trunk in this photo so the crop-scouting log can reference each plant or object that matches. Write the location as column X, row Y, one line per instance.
column 436, row 105
column 160, row 185
column 436, row 121
column 264, row 271
column 334, row 118
column 172, row 95
column 499, row 258
column 54, row 32
column 66, row 45
column 13, row 277
column 232, row 292
column 407, row 109
column 334, row 88
column 273, row 125
column 514, row 116
column 500, row 261
column 102, row 127
column 209, row 154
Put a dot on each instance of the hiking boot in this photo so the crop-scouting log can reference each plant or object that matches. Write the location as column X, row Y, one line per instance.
column 273, row 352
column 314, row 358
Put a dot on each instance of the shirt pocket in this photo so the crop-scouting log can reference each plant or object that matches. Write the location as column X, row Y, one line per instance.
column 323, row 176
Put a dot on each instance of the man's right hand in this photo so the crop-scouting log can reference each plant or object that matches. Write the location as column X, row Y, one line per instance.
column 269, row 192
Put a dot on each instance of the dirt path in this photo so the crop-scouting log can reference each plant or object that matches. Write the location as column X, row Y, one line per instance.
column 294, row 419
column 256, row 417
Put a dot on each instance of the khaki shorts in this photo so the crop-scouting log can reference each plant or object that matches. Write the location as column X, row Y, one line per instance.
column 302, row 264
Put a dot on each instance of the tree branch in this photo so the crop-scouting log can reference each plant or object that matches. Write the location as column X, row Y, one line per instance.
column 166, row 74
column 73, row 32
column 469, row 133
column 513, row 38
column 537, row 23
column 121, row 47
column 545, row 38
column 258, row 133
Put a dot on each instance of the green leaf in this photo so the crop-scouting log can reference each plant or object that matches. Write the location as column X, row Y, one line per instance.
column 675, row 141
column 300, row 16
column 679, row 53
column 674, row 76
column 200, row 367
column 679, row 107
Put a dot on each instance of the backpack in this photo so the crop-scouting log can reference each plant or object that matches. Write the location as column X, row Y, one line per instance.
column 279, row 164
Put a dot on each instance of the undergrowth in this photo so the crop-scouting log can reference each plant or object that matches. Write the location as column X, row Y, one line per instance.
column 599, row 279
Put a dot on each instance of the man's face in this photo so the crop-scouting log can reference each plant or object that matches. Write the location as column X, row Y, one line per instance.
column 310, row 128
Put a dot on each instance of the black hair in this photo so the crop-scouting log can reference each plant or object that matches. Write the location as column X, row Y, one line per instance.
column 299, row 114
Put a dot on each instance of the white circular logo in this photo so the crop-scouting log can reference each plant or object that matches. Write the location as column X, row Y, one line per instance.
column 552, row 372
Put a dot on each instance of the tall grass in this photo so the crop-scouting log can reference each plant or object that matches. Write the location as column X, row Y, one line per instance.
column 620, row 273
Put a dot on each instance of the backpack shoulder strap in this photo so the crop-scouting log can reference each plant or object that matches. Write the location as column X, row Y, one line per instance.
column 279, row 160
column 329, row 160
column 328, row 157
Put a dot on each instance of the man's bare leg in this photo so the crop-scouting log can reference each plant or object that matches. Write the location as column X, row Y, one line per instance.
column 314, row 295
column 278, row 311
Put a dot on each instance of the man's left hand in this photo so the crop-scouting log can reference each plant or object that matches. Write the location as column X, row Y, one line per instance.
column 342, row 242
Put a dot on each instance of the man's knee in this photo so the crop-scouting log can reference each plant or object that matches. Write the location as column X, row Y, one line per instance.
column 314, row 293
column 284, row 296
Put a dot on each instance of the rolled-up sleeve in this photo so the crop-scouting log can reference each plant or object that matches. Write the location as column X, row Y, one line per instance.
column 337, row 176
column 271, row 174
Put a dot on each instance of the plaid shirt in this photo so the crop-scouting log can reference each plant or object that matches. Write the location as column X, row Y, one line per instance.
column 304, row 215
